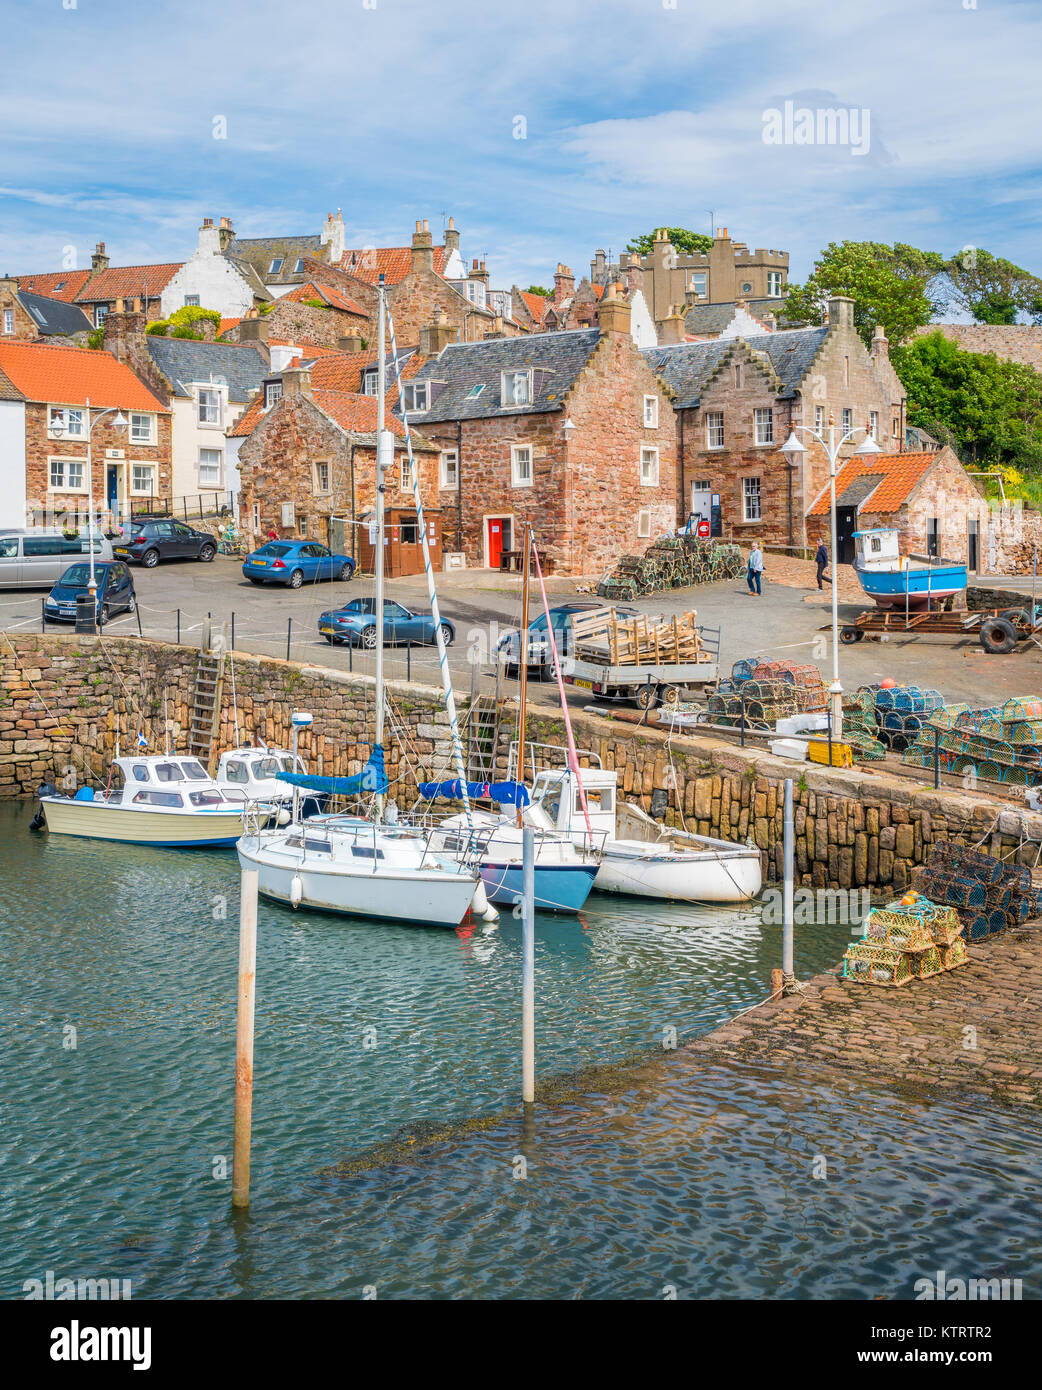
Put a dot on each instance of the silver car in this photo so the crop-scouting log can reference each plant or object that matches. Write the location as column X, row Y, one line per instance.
column 37, row 558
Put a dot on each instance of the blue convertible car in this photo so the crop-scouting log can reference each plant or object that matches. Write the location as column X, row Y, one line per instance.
column 295, row 563
column 356, row 623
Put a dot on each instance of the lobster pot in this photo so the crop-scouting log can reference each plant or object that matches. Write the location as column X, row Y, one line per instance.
column 979, row 927
column 742, row 670
column 947, row 717
column 899, row 929
column 956, row 890
column 871, row 963
column 1022, row 707
column 953, row 954
column 926, row 963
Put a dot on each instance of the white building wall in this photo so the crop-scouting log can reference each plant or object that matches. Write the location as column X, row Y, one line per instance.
column 189, row 436
column 212, row 277
column 12, row 464
column 642, row 325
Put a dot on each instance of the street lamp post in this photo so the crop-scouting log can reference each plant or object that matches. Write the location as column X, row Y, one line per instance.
column 119, row 424
column 793, row 451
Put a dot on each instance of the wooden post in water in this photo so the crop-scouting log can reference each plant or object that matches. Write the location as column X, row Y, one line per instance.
column 788, row 969
column 528, row 965
column 244, row 1038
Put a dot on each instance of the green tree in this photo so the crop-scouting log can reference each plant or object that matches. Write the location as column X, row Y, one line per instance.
column 989, row 410
column 183, row 322
column 538, row 289
column 990, row 288
column 889, row 285
column 681, row 238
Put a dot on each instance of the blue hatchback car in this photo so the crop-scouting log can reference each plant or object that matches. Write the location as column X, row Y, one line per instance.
column 356, row 624
column 295, row 563
column 115, row 591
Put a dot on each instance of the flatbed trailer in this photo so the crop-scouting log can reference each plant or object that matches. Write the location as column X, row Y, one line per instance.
column 999, row 630
column 645, row 686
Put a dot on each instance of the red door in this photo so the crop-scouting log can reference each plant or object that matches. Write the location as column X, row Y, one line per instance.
column 495, row 541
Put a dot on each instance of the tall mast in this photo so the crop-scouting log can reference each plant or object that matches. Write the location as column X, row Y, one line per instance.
column 381, row 462
column 523, row 673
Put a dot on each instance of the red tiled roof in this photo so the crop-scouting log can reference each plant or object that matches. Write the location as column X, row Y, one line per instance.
column 307, row 348
column 354, row 412
column 536, row 304
column 71, row 376
column 900, row 473
column 226, row 326
column 71, row 281
column 128, row 282
column 249, row 419
column 342, row 371
column 598, row 290
column 366, row 263
column 332, row 296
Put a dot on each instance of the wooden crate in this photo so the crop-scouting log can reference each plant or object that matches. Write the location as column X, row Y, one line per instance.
column 603, row 636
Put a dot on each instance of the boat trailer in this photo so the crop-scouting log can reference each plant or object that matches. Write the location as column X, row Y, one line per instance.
column 999, row 630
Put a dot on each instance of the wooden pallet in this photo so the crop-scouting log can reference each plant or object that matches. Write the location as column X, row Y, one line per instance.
column 602, row 636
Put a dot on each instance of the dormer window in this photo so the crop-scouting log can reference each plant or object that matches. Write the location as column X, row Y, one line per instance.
column 475, row 391
column 517, row 388
column 299, row 266
column 369, row 383
column 416, row 396
column 276, row 265
column 272, row 393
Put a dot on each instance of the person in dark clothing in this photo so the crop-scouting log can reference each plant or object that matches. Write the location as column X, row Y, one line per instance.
column 822, row 559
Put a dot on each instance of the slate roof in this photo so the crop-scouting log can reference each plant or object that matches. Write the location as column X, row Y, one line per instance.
column 183, row 360
column 54, row 316
column 73, row 375
column 259, row 252
column 897, row 476
column 706, row 319
column 686, row 367
column 249, row 274
column 556, row 360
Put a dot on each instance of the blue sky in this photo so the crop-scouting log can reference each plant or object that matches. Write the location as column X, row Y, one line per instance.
column 637, row 113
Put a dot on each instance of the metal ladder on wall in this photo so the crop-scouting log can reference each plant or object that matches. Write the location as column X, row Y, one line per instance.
column 206, row 702
column 482, row 731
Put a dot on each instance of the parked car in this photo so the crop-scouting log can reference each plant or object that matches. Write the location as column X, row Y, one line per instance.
column 540, row 653
column 37, row 558
column 356, row 623
column 151, row 541
column 115, row 591
column 295, row 563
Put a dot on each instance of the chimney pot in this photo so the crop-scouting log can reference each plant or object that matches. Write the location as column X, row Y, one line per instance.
column 426, row 225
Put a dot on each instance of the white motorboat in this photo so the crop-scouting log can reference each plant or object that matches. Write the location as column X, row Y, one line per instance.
column 152, row 799
column 647, row 860
column 254, row 771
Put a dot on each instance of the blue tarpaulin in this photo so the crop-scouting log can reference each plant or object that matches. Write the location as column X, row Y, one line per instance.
column 372, row 778
column 505, row 793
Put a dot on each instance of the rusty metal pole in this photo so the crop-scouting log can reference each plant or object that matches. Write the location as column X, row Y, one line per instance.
column 244, row 1038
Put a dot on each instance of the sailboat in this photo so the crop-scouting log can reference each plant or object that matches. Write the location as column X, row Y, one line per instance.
column 564, row 871
column 373, row 866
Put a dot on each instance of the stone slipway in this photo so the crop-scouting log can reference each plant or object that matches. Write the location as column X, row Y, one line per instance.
column 971, row 1030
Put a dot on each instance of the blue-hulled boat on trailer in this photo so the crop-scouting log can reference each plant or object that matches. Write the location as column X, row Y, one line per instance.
column 893, row 580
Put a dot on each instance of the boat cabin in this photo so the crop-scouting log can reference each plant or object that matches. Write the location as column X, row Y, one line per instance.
column 254, row 771
column 166, row 780
column 557, row 803
column 878, row 548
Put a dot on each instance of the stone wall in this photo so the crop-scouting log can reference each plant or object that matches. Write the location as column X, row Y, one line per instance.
column 296, row 322
column 63, row 700
column 1013, row 342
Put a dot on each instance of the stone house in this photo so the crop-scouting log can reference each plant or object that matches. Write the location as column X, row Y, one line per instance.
column 215, row 277
column 666, row 277
column 736, row 400
column 31, row 316
column 578, row 306
column 572, row 431
column 97, row 290
column 307, row 464
column 207, row 386
column 50, row 396
column 935, row 505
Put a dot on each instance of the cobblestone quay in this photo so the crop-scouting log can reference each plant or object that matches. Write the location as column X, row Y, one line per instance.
column 974, row 1029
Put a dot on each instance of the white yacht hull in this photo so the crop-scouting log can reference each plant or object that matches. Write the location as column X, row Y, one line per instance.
column 430, row 897
column 98, row 820
column 644, row 870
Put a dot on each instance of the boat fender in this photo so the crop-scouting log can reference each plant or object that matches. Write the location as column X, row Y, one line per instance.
column 481, row 905
column 283, row 817
column 296, row 890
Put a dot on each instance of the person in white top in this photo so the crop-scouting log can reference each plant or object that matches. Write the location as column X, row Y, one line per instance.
column 755, row 569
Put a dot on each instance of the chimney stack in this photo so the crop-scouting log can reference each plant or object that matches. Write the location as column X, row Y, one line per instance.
column 614, row 313
column 880, row 344
column 451, row 236
column 225, row 233
column 296, row 381
column 350, row 342
column 422, row 248
column 671, row 328
column 253, row 329
column 99, row 261
column 841, row 311
column 564, row 284
column 436, row 336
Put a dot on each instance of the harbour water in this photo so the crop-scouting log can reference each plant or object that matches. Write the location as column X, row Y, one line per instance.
column 117, row 981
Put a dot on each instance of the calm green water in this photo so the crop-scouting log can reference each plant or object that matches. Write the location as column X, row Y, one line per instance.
column 112, row 1151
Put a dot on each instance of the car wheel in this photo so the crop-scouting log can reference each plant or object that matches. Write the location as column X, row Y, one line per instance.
column 150, row 559
column 369, row 638
column 447, row 634
column 329, row 640
column 104, row 615
column 206, row 553
column 346, row 573
column 296, row 579
column 132, row 603
column 254, row 581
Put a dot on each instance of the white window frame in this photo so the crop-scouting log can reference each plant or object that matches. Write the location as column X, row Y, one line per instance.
column 774, row 284
column 101, row 313
column 277, row 262
column 405, row 474
column 698, row 284
column 8, row 322
column 507, row 394
column 272, row 393
column 134, row 416
column 216, row 401
column 873, row 424
column 289, row 515
column 150, row 468
column 763, row 416
column 191, row 301
column 517, row 478
column 651, row 412
column 714, row 419
column 848, row 419
column 62, row 431
column 448, row 468
column 897, row 427
column 220, row 468
column 322, row 489
column 819, row 418
column 420, row 394
column 747, row 496
column 65, row 485
column 649, row 455
column 644, row 524
column 369, row 382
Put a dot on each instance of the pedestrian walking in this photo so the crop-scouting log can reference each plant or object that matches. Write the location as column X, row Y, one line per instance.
column 822, row 559
column 755, row 572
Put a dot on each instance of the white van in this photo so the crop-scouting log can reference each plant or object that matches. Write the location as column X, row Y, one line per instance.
column 37, row 558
